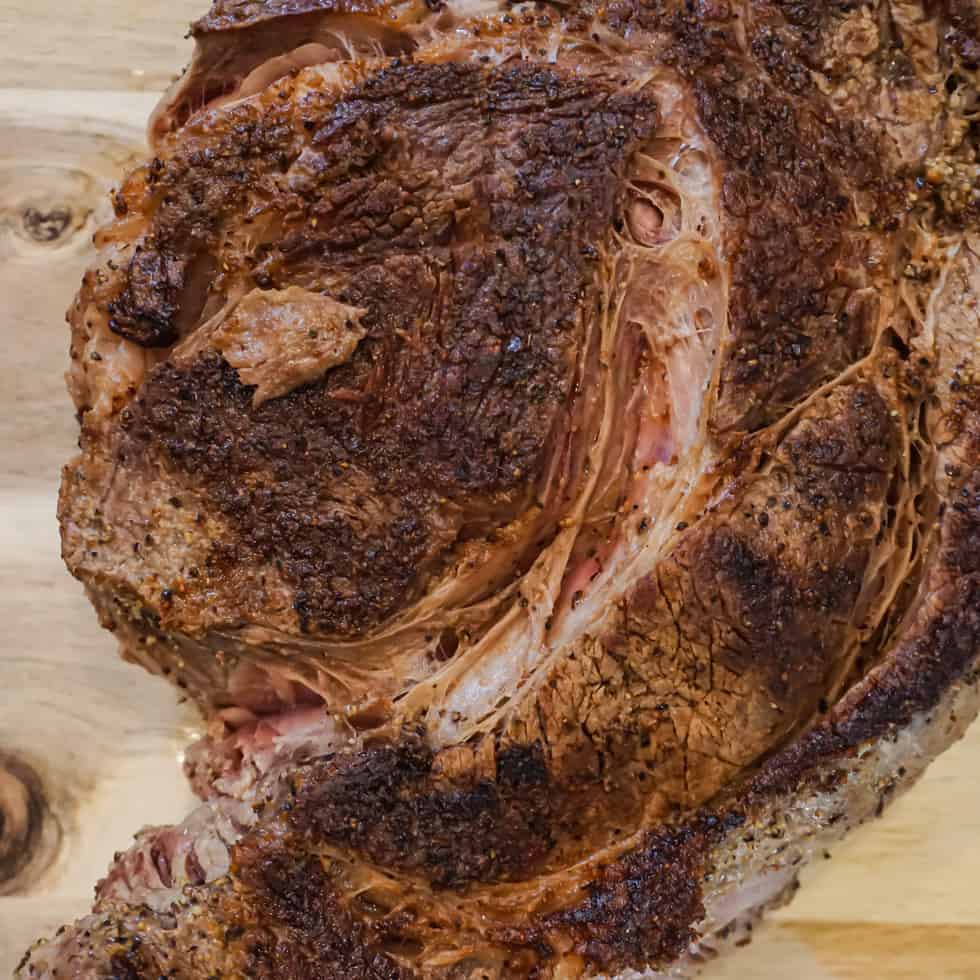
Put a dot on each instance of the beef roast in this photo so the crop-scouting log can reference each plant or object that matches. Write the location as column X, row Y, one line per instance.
column 544, row 441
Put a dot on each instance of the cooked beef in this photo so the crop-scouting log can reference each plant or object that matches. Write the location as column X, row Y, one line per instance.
column 545, row 442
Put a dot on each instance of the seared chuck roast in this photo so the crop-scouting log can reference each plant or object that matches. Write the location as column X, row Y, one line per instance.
column 544, row 440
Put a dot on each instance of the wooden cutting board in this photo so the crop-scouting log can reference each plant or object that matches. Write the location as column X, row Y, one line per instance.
column 898, row 901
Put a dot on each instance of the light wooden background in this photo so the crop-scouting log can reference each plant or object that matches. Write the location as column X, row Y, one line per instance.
column 898, row 901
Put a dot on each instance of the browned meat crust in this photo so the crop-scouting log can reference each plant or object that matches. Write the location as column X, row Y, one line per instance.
column 630, row 553
column 451, row 402
column 227, row 15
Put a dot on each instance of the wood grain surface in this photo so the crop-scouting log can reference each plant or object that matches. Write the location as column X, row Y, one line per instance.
column 897, row 901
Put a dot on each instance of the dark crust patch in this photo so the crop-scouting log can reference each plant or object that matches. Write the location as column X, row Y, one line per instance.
column 146, row 311
column 963, row 30
column 790, row 329
column 657, row 887
column 276, row 917
column 349, row 570
column 642, row 908
column 305, row 934
column 792, row 166
column 944, row 644
column 128, row 966
column 458, row 205
column 743, row 627
column 918, row 675
column 388, row 805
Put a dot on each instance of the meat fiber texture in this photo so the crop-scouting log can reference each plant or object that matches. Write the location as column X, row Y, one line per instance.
column 544, row 441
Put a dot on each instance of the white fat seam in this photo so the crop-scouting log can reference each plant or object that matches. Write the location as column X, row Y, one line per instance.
column 467, row 695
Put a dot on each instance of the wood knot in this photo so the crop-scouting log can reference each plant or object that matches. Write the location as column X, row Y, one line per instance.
column 29, row 836
column 47, row 226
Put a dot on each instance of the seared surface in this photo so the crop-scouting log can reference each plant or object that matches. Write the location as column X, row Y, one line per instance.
column 462, row 209
column 633, row 530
